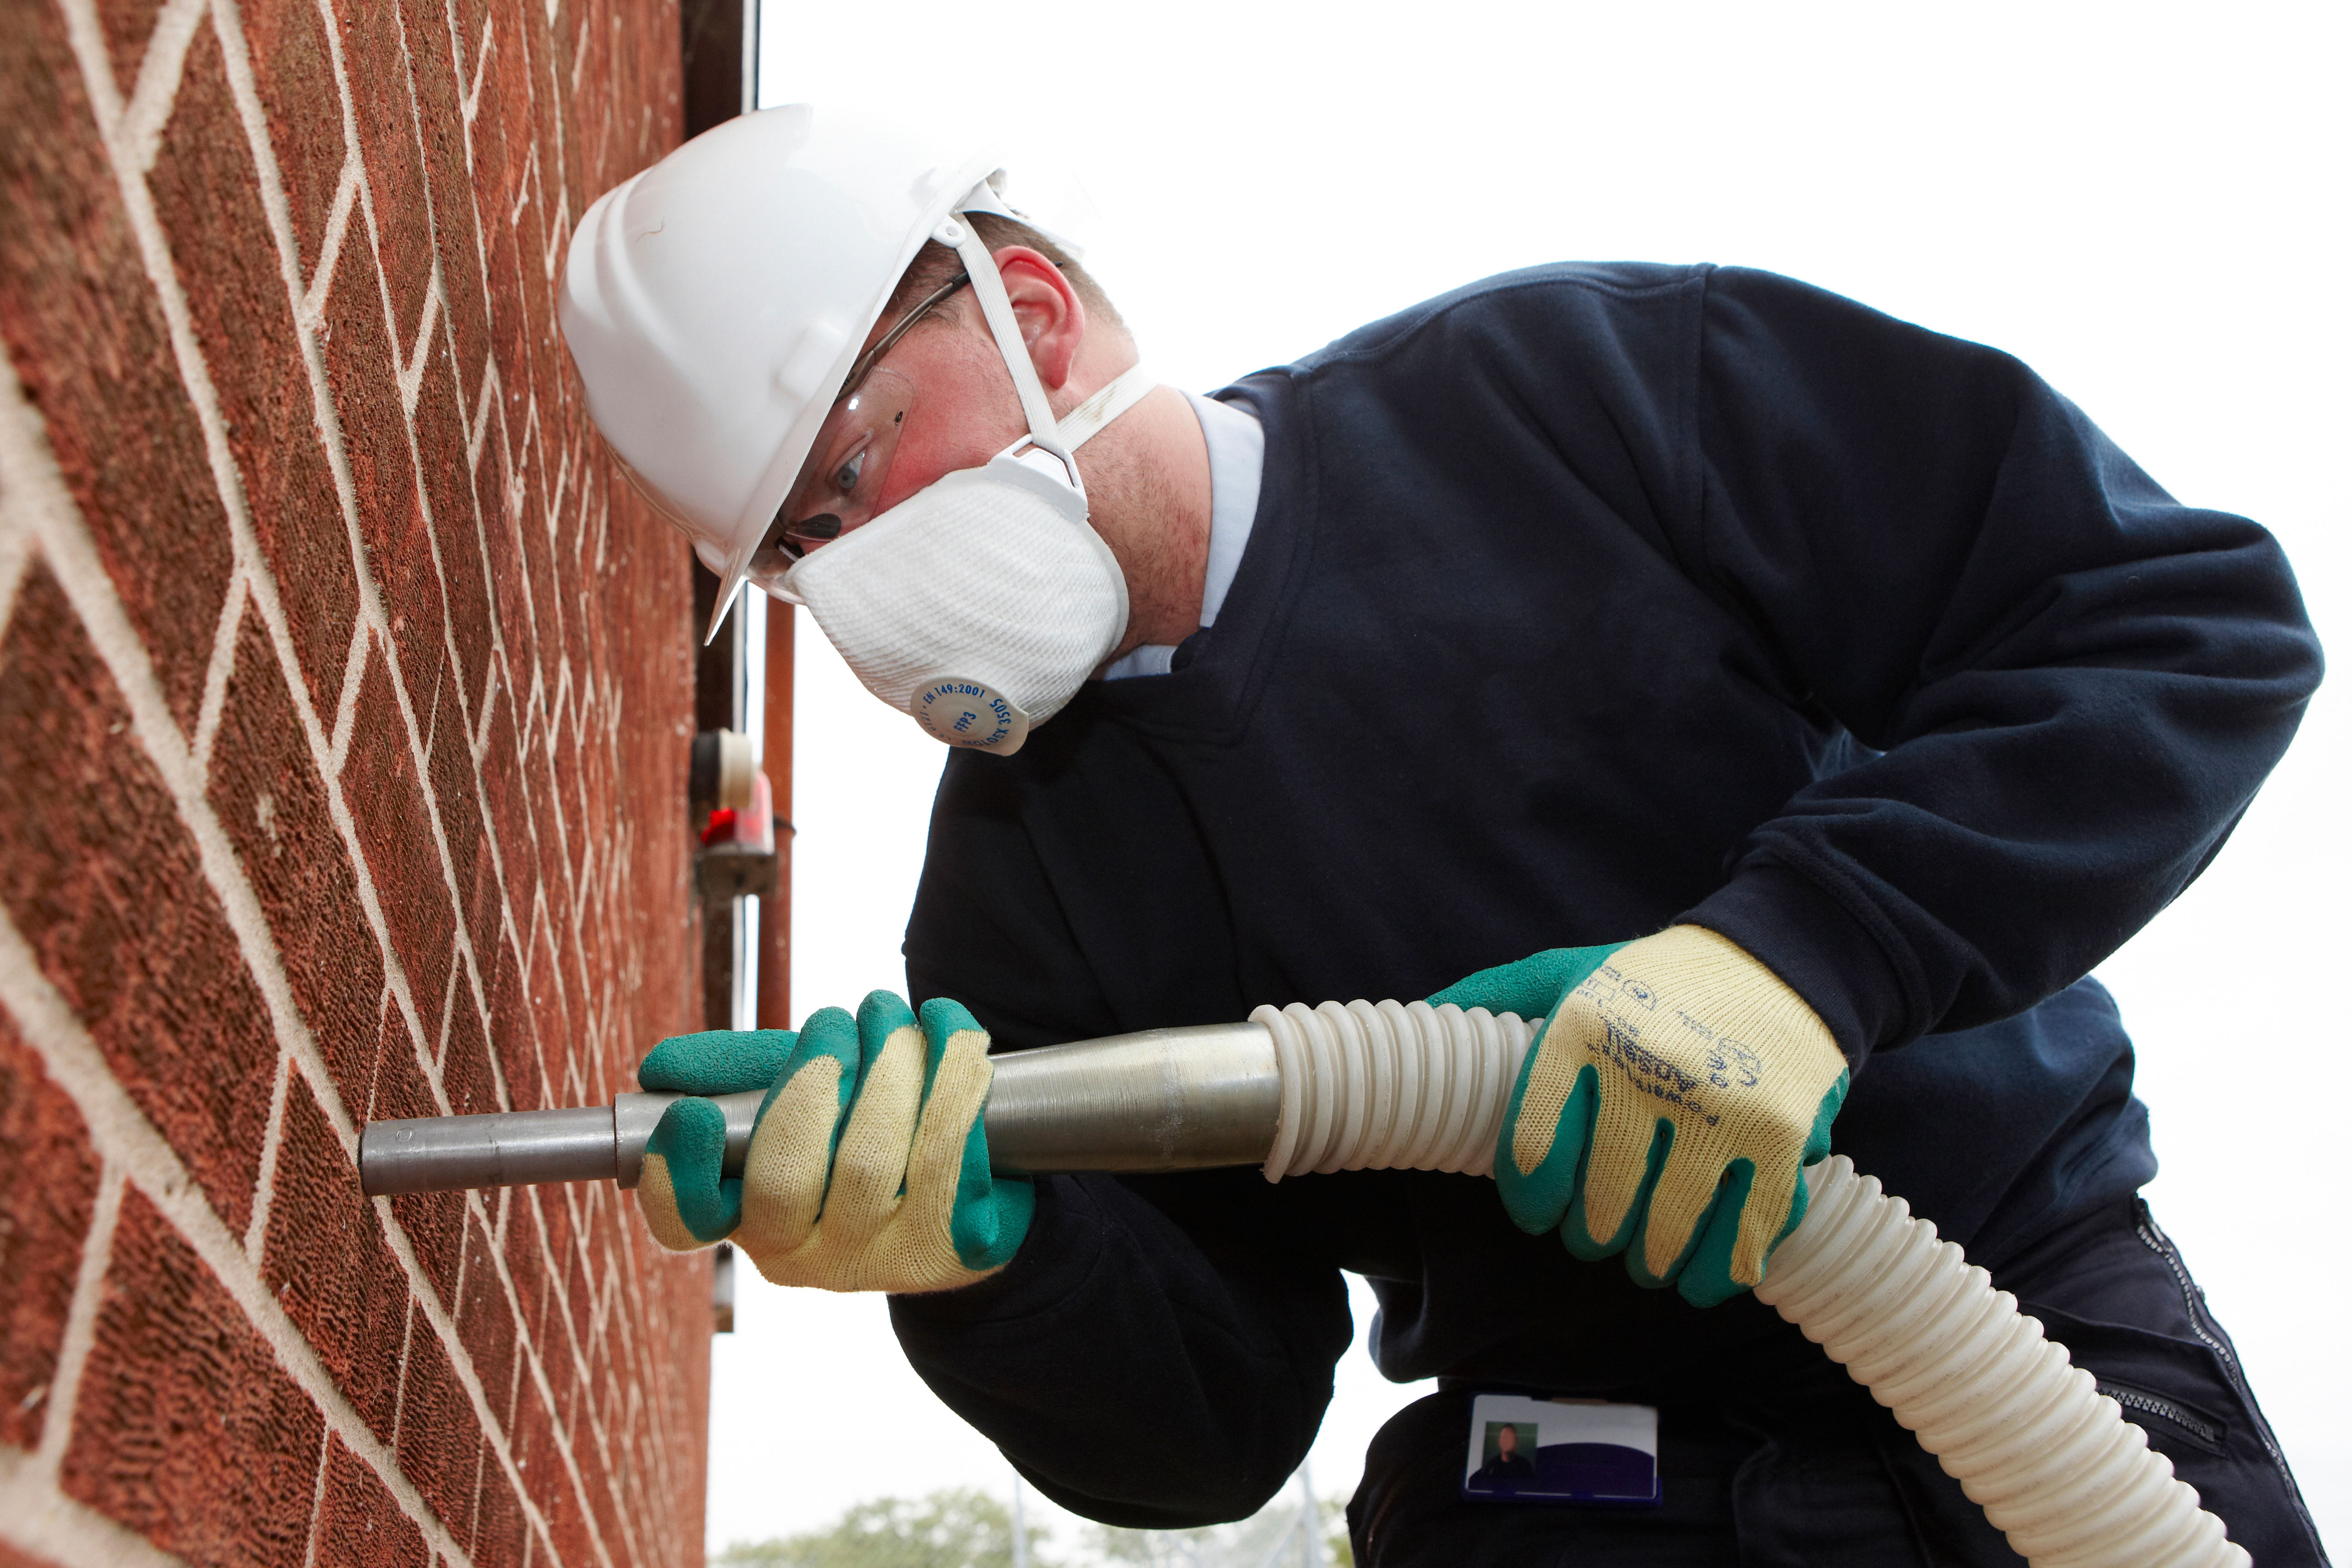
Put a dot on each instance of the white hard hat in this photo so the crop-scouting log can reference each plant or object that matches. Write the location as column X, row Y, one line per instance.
column 715, row 302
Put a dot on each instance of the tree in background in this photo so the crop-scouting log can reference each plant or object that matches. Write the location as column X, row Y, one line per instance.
column 1336, row 1550
column 957, row 1528
column 1267, row 1538
column 964, row 1528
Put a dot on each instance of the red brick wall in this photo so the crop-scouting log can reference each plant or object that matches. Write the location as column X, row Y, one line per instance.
column 343, row 714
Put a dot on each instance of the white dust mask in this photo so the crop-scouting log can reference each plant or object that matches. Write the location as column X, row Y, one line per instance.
column 980, row 604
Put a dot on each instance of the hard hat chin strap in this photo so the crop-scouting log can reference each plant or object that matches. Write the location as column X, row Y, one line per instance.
column 996, row 306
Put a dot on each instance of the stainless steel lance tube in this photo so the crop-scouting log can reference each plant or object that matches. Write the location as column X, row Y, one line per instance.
column 1163, row 1099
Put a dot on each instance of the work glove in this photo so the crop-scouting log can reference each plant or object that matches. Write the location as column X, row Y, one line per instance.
column 1677, row 1090
column 868, row 1164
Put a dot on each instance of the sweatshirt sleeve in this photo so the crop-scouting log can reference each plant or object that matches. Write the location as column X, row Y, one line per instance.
column 2067, row 686
column 1159, row 1355
column 1158, row 1352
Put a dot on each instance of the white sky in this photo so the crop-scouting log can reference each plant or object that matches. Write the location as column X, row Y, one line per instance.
column 2146, row 203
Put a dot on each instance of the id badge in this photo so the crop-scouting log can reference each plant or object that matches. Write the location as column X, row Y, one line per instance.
column 1561, row 1451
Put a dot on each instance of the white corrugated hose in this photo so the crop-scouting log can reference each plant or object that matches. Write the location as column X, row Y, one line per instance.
column 1405, row 1086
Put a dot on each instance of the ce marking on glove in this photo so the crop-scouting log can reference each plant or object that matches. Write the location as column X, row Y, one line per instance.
column 1728, row 1057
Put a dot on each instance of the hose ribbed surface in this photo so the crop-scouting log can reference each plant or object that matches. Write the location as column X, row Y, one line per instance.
column 1405, row 1086
column 2027, row 1434
column 1390, row 1086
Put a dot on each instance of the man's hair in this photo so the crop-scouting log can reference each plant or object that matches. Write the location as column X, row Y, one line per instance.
column 935, row 264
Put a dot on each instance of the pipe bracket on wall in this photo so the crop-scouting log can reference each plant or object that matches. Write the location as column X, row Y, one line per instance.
column 736, row 869
column 737, row 855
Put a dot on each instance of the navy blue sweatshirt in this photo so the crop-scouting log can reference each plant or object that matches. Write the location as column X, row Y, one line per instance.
column 1578, row 602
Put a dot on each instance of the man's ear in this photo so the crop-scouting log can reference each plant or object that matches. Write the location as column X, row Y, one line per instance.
column 1053, row 323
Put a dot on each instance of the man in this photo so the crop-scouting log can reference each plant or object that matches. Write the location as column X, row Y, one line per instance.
column 1787, row 703
column 1508, row 1467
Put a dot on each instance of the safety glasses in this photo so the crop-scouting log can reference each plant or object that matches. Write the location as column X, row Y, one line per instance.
column 843, row 479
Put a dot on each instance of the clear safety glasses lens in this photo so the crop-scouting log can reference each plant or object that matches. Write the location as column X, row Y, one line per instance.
column 841, row 485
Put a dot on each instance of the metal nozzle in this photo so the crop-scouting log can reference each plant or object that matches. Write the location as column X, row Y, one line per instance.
column 507, row 1149
column 1163, row 1099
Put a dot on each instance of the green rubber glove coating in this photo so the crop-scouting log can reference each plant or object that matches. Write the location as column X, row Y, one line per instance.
column 716, row 1061
column 692, row 1137
column 992, row 1213
column 1531, row 987
column 1706, row 1279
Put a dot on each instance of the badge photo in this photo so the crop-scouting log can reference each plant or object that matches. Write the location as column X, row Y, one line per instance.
column 1525, row 1449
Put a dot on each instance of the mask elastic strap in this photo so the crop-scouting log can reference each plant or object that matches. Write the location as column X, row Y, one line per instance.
column 1115, row 397
column 988, row 287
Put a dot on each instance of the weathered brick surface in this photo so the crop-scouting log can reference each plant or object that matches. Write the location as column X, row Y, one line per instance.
column 126, row 24
column 103, row 883
column 361, row 1524
column 486, row 1320
column 94, row 352
column 286, row 43
column 188, row 1428
column 274, row 807
column 439, row 1435
column 243, row 323
column 330, row 1267
column 42, row 1223
column 344, row 703
column 396, row 842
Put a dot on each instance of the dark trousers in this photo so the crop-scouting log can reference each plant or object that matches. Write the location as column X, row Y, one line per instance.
column 1797, row 1467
